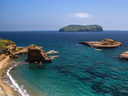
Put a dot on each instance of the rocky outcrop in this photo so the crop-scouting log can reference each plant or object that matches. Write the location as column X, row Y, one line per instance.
column 124, row 55
column 12, row 51
column 23, row 50
column 35, row 53
column 106, row 43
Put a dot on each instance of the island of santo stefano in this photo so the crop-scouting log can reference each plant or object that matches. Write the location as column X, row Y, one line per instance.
column 81, row 28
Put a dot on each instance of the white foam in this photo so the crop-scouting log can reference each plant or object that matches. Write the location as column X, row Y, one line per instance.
column 52, row 57
column 40, row 46
column 19, row 47
column 52, row 52
column 15, row 86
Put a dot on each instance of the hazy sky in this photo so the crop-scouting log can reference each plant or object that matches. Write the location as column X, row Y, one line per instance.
column 19, row 15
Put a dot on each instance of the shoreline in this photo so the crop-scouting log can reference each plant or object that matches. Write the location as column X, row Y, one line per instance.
column 6, row 90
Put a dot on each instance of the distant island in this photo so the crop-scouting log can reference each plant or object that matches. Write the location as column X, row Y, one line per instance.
column 81, row 28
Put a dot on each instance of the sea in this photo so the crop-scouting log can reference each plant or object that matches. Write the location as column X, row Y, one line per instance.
column 77, row 70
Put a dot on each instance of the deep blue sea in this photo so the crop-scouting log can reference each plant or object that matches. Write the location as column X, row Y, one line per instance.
column 78, row 70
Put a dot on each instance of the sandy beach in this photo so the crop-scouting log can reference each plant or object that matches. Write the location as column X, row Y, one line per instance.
column 4, row 89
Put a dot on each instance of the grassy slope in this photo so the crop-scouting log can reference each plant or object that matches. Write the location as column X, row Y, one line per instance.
column 5, row 43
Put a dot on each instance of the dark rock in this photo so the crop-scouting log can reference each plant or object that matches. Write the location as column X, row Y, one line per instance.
column 12, row 56
column 35, row 53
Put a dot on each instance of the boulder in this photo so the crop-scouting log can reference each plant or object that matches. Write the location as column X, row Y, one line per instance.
column 35, row 53
column 106, row 43
column 12, row 56
column 124, row 55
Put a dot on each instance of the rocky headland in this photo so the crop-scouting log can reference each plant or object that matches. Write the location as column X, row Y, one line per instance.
column 124, row 55
column 106, row 43
column 81, row 28
column 9, row 50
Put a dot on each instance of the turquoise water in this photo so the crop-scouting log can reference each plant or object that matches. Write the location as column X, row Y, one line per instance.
column 78, row 71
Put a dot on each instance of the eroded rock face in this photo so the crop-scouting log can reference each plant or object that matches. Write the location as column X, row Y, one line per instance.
column 35, row 53
column 11, row 48
column 106, row 43
column 124, row 55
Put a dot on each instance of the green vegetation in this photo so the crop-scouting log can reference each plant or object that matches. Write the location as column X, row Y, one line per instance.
column 80, row 28
column 32, row 45
column 18, row 49
column 5, row 43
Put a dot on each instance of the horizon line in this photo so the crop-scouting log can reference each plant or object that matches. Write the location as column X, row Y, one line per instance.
column 53, row 30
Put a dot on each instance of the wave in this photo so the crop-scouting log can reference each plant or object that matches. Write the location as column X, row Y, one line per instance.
column 52, row 52
column 52, row 57
column 15, row 86
column 40, row 46
column 19, row 47
column 97, row 49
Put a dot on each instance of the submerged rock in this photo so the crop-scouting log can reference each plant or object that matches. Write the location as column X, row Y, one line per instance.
column 124, row 55
column 35, row 53
column 106, row 43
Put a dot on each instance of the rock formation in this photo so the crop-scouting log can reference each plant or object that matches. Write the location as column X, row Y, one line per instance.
column 124, row 55
column 81, row 28
column 35, row 53
column 106, row 43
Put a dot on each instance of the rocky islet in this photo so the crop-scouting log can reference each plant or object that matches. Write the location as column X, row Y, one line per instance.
column 106, row 43
column 124, row 55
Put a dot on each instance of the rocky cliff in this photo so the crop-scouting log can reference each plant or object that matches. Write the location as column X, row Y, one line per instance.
column 81, row 28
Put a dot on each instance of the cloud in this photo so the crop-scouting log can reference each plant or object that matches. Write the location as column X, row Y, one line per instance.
column 80, row 15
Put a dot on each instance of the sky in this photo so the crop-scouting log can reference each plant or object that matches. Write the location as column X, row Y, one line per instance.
column 33, row 15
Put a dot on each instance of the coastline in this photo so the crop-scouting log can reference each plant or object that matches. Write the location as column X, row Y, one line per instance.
column 6, row 90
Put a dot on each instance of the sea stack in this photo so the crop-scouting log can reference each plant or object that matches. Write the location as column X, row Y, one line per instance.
column 124, row 55
column 106, row 43
column 35, row 53
column 81, row 28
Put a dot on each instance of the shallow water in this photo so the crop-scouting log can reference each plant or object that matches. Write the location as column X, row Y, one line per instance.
column 78, row 71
